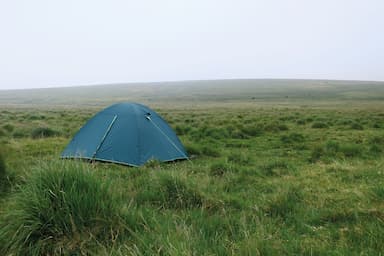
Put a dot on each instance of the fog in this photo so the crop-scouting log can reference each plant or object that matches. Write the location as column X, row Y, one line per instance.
column 47, row 43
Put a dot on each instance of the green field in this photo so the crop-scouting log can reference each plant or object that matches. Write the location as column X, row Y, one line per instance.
column 278, row 167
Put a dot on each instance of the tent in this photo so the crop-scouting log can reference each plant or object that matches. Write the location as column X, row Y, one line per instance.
column 126, row 133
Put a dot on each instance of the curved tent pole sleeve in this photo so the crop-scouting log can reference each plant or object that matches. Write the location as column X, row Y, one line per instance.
column 173, row 144
column 105, row 135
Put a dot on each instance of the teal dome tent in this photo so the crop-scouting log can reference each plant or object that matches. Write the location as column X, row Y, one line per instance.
column 126, row 133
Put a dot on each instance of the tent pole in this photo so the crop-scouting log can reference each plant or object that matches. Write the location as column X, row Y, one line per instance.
column 105, row 136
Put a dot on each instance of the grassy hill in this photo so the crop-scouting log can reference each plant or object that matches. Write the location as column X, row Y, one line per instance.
column 195, row 93
column 278, row 167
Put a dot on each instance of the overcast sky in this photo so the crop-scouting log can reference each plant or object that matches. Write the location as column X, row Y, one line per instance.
column 46, row 43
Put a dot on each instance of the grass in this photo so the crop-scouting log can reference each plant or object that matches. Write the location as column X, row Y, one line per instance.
column 2, row 167
column 43, row 132
column 4, row 184
column 282, row 179
column 62, row 209
column 319, row 125
column 333, row 149
column 168, row 192
column 220, row 168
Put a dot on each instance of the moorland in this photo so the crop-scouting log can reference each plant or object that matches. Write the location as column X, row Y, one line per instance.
column 277, row 167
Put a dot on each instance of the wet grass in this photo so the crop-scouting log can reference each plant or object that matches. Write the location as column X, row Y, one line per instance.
column 62, row 209
column 261, row 181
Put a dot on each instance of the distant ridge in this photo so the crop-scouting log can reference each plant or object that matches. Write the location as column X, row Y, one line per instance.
column 283, row 80
column 195, row 92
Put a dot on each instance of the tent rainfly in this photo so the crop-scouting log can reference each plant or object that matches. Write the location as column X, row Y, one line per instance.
column 126, row 133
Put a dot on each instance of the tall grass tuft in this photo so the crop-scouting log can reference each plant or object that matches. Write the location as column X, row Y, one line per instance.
column 333, row 149
column 2, row 168
column 275, row 127
column 192, row 149
column 61, row 209
column 182, row 130
column 177, row 194
column 356, row 126
column 9, row 127
column 7, row 178
column 378, row 192
column 239, row 158
column 351, row 150
column 276, row 168
column 319, row 125
column 219, row 168
column 4, row 184
column 316, row 154
column 376, row 145
column 210, row 151
column 43, row 132
column 252, row 131
column 285, row 204
column 292, row 138
column 168, row 192
column 375, row 149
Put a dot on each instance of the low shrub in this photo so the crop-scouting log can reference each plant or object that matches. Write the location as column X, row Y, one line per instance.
column 275, row 127
column 62, row 209
column 301, row 122
column 252, row 131
column 283, row 127
column 287, row 118
column 316, row 154
column 196, row 134
column 2, row 168
column 351, row 150
column 36, row 117
column 356, row 126
column 182, row 130
column 216, row 133
column 292, row 138
column 17, row 134
column 344, row 122
column 43, row 132
column 332, row 147
column 238, row 134
column 319, row 125
column 309, row 119
column 8, row 127
column 189, row 120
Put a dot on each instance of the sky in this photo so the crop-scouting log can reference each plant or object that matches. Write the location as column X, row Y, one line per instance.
column 51, row 43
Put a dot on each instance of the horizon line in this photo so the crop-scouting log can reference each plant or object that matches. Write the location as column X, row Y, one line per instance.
column 182, row 81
